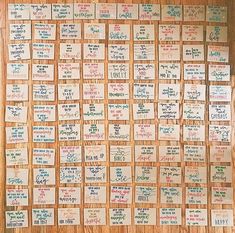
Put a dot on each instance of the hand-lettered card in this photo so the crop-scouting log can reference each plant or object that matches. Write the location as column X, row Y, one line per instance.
column 195, row 175
column 93, row 132
column 171, row 12
column 70, row 31
column 120, row 154
column 143, row 111
column 193, row 111
column 95, row 174
column 120, row 175
column 18, row 52
column 121, row 194
column 118, row 91
column 196, row 195
column 118, row 112
column 17, row 197
column 221, row 174
column 145, row 194
column 220, row 93
column 69, row 132
column 169, row 71
column 169, row 154
column 69, row 195
column 94, row 51
column 95, row 194
column 43, row 92
column 143, row 32
column 68, row 71
column 44, row 176
column 16, row 134
column 16, row 114
column 193, row 52
column 68, row 112
column 118, row 71
column 18, row 11
column 145, row 174
column 127, row 11
column 195, row 92
column 62, row 11
column 222, row 195
column 196, row 217
column 16, row 92
column 120, row 32
column 192, row 33
column 194, row 153
column 93, row 112
column 169, row 91
column 168, row 132
column 43, row 217
column 42, row 72
column 144, row 132
column 20, row 31
column 17, row 176
column 43, row 51
column 220, row 153
column 216, row 14
column 218, row 53
column 70, row 175
column 94, row 216
column 170, row 216
column 68, row 216
column 16, row 219
column 168, row 111
column 219, row 72
column 106, row 11
column 17, row 71
column 120, row 216
column 221, row 112
column 222, row 218
column 145, row 216
column 144, row 71
column 144, row 52
column 93, row 70
column 44, row 134
column 40, row 11
column 194, row 71
column 220, row 133
column 94, row 31
column 68, row 91
column 216, row 34
column 70, row 51
column 194, row 13
column 70, row 154
column 169, row 32
column 149, row 11
column 44, row 31
column 170, row 175
column 118, row 52
column 44, row 113
column 194, row 133
column 44, row 196
column 16, row 156
column 84, row 10
column 43, row 156
column 169, row 52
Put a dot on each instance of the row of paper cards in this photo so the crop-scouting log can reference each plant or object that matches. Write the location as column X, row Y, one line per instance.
column 123, row 11
column 118, row 32
column 118, row 52
column 121, row 216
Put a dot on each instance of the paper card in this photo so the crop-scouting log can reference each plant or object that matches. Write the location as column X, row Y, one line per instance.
column 69, row 132
column 170, row 216
column 44, row 31
column 118, row 112
column 120, row 175
column 193, row 111
column 144, row 52
column 119, row 32
column 94, row 31
column 120, row 216
column 16, row 219
column 145, row 174
column 93, row 132
column 44, row 134
column 217, row 34
column 144, row 132
column 169, row 71
column 145, row 194
column 93, row 70
column 196, row 195
column 68, row 112
column 44, row 113
column 94, row 216
column 84, row 10
column 20, row 31
column 169, row 154
column 68, row 216
column 69, row 195
column 169, row 91
column 94, row 51
column 194, row 71
column 43, row 217
column 16, row 134
column 193, row 52
column 43, row 92
column 149, row 11
column 70, row 154
column 171, row 12
column 143, row 32
column 16, row 92
column 70, row 31
column 62, row 11
column 43, row 51
column 95, row 153
column 43, row 196
column 106, row 11
column 144, row 71
column 120, row 154
column 70, row 51
column 95, row 194
column 118, row 91
column 68, row 71
column 43, row 156
column 222, row 195
column 42, row 72
column 169, row 52
column 218, row 53
column 118, row 52
column 222, row 218
column 143, row 111
column 220, row 133
column 18, row 11
column 68, row 91
column 40, row 11
column 216, row 14
column 194, row 133
column 168, row 110
column 220, row 93
column 144, row 91
column 70, row 175
column 16, row 156
column 18, row 52
column 44, row 176
column 194, row 13
column 118, row 71
column 170, row 175
column 195, row 92
column 145, row 216
column 168, row 132
column 17, row 71
column 119, row 132
column 196, row 217
column 171, row 195
column 16, row 114
column 195, row 175
column 219, row 72
column 221, row 174
column 145, row 153
column 220, row 112
column 121, row 194
column 194, row 153
column 192, row 32
column 220, row 154
column 95, row 174
column 17, row 197
column 17, row 176
column 127, row 11
column 93, row 112
column 169, row 32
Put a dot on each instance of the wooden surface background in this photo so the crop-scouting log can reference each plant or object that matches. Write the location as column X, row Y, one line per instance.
column 104, row 229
